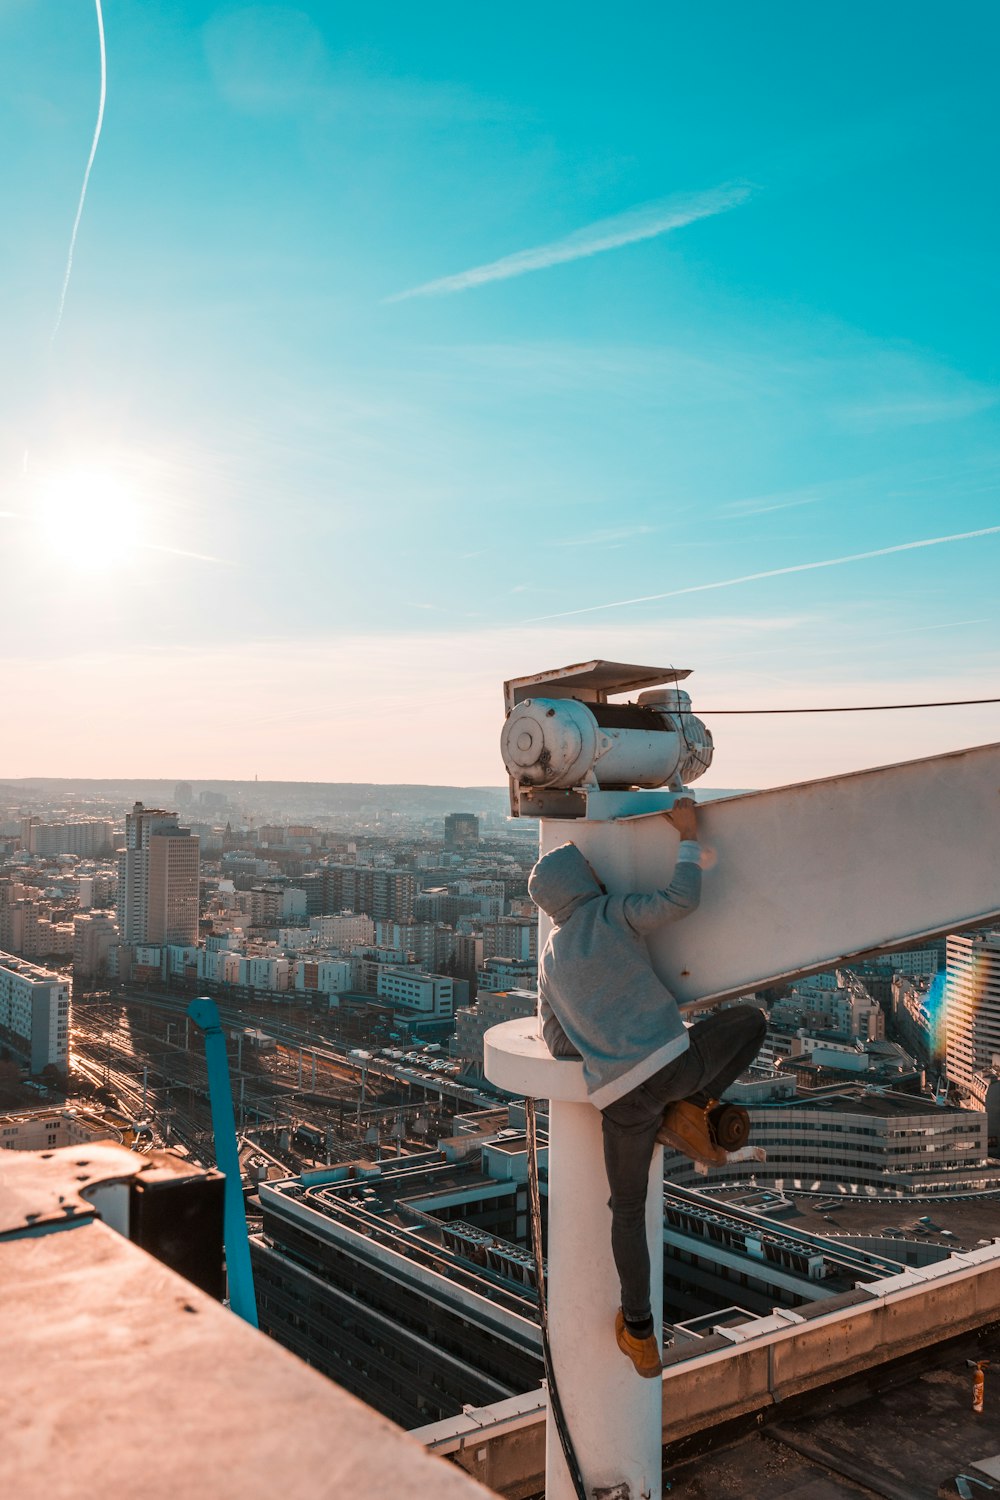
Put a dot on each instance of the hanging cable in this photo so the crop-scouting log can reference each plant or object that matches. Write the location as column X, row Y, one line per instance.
column 853, row 708
column 535, row 1214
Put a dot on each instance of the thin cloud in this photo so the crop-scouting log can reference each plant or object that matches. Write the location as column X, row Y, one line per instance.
column 643, row 223
column 727, row 583
column 605, row 538
column 182, row 552
column 762, row 505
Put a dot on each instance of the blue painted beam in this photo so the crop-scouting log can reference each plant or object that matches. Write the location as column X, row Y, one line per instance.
column 242, row 1300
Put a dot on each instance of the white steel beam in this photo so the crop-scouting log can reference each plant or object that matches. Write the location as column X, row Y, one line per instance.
column 801, row 878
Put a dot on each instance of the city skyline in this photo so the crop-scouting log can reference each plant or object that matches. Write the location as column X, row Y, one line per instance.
column 400, row 353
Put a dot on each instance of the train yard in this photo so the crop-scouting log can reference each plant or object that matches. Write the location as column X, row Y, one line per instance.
column 302, row 1097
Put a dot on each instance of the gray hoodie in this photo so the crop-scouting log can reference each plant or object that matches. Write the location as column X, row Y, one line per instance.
column 599, row 998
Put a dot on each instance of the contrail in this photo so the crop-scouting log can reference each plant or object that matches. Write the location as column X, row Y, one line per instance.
column 90, row 163
column 605, row 234
column 181, row 552
column 727, row 583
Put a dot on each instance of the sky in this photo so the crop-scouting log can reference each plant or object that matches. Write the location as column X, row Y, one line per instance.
column 406, row 349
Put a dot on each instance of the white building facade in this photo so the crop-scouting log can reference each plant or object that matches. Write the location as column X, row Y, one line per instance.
column 432, row 995
column 34, row 1013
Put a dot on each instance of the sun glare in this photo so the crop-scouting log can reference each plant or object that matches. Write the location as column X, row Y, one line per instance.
column 88, row 517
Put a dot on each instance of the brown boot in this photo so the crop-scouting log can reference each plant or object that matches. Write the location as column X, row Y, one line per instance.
column 686, row 1128
column 644, row 1353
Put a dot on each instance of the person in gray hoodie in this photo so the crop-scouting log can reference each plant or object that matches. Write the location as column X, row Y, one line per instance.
column 652, row 1077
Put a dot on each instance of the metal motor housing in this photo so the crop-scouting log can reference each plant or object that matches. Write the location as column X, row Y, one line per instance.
column 565, row 743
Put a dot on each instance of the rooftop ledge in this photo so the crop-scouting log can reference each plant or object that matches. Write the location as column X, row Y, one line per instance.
column 120, row 1378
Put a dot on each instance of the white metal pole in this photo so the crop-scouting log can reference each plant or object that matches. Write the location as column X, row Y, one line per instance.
column 614, row 1416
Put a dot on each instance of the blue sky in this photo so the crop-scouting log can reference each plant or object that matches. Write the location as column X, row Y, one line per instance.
column 738, row 315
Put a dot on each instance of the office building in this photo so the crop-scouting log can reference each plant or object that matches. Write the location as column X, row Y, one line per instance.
column 432, row 944
column 406, row 988
column 461, row 830
column 325, row 976
column 410, row 1283
column 157, row 880
column 405, row 1282
column 917, row 1003
column 854, row 1139
column 838, row 1004
column 972, row 1004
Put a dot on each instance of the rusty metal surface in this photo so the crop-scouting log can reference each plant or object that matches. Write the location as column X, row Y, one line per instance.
column 803, row 877
column 51, row 1187
column 119, row 1379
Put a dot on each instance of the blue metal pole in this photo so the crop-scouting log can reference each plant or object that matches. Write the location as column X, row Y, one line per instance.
column 204, row 1014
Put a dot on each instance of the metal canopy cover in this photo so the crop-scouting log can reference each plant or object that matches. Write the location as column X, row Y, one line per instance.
column 591, row 681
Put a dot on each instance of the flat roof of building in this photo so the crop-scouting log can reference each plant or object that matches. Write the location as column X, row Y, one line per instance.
column 881, row 1105
column 25, row 970
column 907, row 1440
column 968, row 1218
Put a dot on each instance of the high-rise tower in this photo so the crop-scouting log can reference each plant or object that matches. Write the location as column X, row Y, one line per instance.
column 157, row 879
column 972, row 1004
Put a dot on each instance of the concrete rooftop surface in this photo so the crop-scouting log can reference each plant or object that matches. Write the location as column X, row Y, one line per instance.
column 906, row 1436
column 120, row 1379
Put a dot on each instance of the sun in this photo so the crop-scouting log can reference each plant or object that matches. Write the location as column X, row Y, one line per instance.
column 88, row 517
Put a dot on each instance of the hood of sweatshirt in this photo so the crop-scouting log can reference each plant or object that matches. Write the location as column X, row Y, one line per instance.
column 561, row 881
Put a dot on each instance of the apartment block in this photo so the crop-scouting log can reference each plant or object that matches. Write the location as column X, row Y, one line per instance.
column 84, row 837
column 93, row 935
column 34, row 1013
column 511, row 937
column 492, row 1008
column 344, row 930
column 383, row 894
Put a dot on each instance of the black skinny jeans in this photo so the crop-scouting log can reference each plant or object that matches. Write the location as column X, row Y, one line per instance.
column 720, row 1047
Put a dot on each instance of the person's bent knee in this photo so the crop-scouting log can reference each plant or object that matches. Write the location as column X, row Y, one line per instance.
column 754, row 1020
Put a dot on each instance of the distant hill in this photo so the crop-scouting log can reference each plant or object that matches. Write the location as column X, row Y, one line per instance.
column 292, row 798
